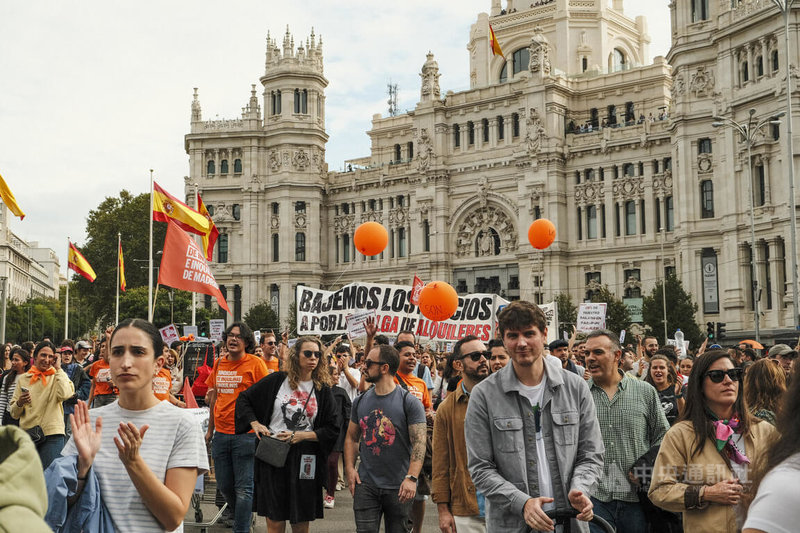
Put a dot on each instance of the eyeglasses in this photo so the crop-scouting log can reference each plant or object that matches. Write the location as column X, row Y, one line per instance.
column 311, row 353
column 231, row 336
column 717, row 376
column 271, row 343
column 369, row 363
column 476, row 356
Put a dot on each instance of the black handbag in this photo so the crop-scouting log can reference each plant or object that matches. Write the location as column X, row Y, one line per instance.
column 36, row 434
column 274, row 451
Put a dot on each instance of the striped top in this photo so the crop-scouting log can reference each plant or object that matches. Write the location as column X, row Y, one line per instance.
column 174, row 440
column 5, row 396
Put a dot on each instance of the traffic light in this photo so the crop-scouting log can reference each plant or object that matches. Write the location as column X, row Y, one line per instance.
column 710, row 330
column 721, row 331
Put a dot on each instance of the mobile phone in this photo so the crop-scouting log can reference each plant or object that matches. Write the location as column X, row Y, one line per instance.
column 23, row 389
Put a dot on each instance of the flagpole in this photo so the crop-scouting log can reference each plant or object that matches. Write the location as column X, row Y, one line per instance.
column 119, row 245
column 194, row 294
column 150, row 260
column 156, row 296
column 66, row 302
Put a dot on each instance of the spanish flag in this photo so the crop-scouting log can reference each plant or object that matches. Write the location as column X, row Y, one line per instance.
column 122, row 284
column 493, row 44
column 8, row 198
column 166, row 207
column 79, row 264
column 210, row 238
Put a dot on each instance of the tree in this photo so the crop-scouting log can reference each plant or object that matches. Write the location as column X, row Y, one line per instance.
column 681, row 310
column 262, row 316
column 617, row 316
column 567, row 312
column 291, row 322
column 133, row 304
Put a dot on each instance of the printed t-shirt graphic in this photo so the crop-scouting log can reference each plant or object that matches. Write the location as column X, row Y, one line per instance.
column 417, row 388
column 377, row 430
column 162, row 383
column 288, row 413
column 101, row 374
column 229, row 378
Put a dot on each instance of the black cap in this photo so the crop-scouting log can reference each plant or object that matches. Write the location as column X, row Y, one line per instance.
column 558, row 343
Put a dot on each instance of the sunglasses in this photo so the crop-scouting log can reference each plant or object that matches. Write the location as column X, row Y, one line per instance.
column 271, row 343
column 476, row 356
column 369, row 363
column 311, row 353
column 717, row 376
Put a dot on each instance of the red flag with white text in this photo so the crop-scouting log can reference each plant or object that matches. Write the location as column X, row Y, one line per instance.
column 184, row 266
column 416, row 288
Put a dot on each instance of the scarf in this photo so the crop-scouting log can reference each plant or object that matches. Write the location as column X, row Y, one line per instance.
column 36, row 374
column 723, row 433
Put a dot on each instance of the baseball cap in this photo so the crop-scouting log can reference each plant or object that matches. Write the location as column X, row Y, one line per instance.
column 781, row 350
column 65, row 349
column 558, row 343
column 83, row 345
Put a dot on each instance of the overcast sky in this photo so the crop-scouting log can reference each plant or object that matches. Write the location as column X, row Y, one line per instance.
column 95, row 93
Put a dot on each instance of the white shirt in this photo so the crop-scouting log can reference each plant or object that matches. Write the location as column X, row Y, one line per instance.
column 774, row 508
column 174, row 440
column 534, row 396
column 288, row 411
column 352, row 392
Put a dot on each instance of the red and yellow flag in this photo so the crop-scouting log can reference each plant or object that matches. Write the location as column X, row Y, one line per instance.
column 210, row 238
column 78, row 263
column 8, row 198
column 493, row 44
column 166, row 207
column 122, row 284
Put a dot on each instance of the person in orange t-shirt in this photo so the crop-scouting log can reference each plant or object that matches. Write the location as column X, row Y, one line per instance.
column 269, row 347
column 234, row 454
column 103, row 391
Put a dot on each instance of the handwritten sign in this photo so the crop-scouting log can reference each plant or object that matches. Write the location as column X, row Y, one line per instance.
column 591, row 316
column 356, row 321
column 216, row 327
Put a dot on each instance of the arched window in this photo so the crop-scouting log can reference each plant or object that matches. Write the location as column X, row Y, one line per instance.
column 504, row 73
column 584, row 64
column 210, row 168
column 299, row 246
column 618, row 61
column 706, row 199
column 237, row 166
column 627, row 170
column 223, row 166
column 457, row 135
column 521, row 60
column 276, row 102
column 501, row 127
column 276, row 248
column 426, row 236
column 397, row 153
column 669, row 207
column 704, row 146
column 345, row 248
column 410, row 150
column 589, row 174
column 485, row 130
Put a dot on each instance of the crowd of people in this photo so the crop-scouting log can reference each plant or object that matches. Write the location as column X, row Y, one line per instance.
column 498, row 434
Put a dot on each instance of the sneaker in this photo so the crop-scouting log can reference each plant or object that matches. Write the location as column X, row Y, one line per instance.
column 328, row 504
column 340, row 485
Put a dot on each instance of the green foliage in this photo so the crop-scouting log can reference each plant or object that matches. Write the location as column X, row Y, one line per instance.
column 261, row 316
column 617, row 316
column 133, row 304
column 291, row 322
column 567, row 311
column 681, row 310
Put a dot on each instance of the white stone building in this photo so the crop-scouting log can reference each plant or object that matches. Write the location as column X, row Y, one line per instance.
column 575, row 125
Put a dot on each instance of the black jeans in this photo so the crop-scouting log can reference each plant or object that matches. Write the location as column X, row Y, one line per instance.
column 370, row 502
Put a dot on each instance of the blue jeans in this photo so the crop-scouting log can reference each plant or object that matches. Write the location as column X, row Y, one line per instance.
column 370, row 502
column 233, row 463
column 624, row 516
column 50, row 449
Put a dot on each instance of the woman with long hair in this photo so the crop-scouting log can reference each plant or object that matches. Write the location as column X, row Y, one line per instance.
column 775, row 486
column 146, row 454
column 297, row 406
column 663, row 377
column 37, row 401
column 764, row 385
column 701, row 468
column 20, row 363
column 5, row 363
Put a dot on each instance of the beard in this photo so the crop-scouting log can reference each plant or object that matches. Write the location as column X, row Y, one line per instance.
column 372, row 379
column 475, row 376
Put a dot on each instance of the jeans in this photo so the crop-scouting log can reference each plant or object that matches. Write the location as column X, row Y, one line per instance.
column 50, row 449
column 624, row 516
column 233, row 463
column 370, row 502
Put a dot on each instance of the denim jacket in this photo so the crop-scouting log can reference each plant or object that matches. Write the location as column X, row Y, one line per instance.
column 495, row 433
column 88, row 513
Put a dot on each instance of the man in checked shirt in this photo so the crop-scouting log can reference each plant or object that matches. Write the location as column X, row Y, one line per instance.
column 631, row 422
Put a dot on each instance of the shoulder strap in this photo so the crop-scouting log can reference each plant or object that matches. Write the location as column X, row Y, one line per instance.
column 401, row 381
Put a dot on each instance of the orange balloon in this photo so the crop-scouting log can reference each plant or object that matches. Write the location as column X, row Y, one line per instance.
column 542, row 233
column 438, row 301
column 370, row 238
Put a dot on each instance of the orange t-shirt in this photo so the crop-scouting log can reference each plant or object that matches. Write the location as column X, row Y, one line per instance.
column 101, row 375
column 229, row 378
column 418, row 388
column 162, row 383
column 272, row 365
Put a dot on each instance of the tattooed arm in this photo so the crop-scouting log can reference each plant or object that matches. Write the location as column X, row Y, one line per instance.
column 417, row 434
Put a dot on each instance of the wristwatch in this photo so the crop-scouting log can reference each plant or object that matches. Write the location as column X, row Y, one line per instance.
column 412, row 478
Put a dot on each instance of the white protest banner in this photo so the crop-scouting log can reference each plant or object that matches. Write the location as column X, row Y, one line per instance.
column 325, row 312
column 216, row 327
column 551, row 313
column 356, row 321
column 169, row 334
column 591, row 316
column 190, row 330
column 257, row 335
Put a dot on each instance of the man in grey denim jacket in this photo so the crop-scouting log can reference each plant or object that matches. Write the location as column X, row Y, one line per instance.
column 532, row 418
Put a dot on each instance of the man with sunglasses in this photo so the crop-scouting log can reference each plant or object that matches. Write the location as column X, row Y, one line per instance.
column 533, row 442
column 269, row 349
column 461, row 507
column 234, row 454
column 389, row 425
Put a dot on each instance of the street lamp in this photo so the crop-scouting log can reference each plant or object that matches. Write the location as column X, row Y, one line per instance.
column 785, row 7
column 748, row 130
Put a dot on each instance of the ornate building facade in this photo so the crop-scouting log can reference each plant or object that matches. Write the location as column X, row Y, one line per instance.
column 574, row 124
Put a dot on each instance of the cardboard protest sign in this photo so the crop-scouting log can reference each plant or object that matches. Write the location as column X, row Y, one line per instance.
column 356, row 321
column 216, row 327
column 169, row 334
column 591, row 316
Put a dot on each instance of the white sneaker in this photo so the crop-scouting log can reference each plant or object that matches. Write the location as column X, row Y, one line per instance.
column 328, row 503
